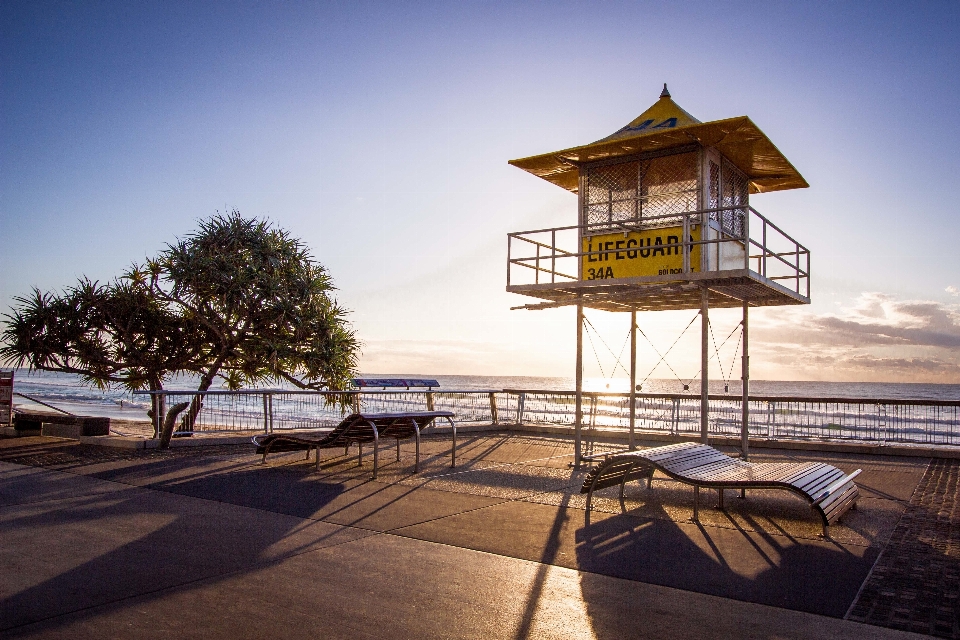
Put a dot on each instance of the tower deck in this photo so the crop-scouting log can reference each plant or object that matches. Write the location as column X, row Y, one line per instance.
column 726, row 289
column 648, row 267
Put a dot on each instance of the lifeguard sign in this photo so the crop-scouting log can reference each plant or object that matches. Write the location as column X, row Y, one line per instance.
column 664, row 222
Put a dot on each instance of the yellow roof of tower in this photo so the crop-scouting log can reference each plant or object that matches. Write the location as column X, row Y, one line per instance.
column 665, row 125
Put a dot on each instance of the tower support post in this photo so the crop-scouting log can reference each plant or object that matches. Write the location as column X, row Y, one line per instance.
column 633, row 378
column 704, row 363
column 745, row 418
column 578, row 413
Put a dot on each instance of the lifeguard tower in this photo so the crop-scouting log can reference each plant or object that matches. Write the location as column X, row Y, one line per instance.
column 664, row 222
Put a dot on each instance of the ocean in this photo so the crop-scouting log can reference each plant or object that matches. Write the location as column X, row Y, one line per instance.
column 68, row 392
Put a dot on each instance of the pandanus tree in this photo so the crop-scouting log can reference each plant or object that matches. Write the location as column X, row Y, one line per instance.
column 262, row 299
column 115, row 334
column 237, row 300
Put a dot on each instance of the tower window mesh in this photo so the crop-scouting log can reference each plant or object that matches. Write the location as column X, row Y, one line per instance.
column 633, row 192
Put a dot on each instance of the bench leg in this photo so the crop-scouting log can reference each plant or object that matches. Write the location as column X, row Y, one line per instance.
column 743, row 493
column 586, row 514
column 359, row 454
column 398, row 449
column 416, row 435
column 453, row 450
column 318, row 458
column 696, row 504
column 623, row 484
column 720, row 502
column 307, row 457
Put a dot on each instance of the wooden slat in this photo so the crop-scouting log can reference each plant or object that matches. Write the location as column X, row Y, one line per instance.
column 682, row 457
column 830, row 504
column 713, row 472
column 842, row 506
column 798, row 472
column 808, row 478
column 821, row 480
column 658, row 453
column 692, row 462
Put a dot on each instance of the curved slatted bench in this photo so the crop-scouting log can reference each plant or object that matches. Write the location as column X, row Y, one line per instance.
column 829, row 490
column 360, row 428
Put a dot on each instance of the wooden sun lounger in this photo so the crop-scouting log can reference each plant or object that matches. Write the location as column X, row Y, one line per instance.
column 359, row 428
column 829, row 490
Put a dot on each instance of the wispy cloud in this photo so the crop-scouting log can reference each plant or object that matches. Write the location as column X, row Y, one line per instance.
column 878, row 338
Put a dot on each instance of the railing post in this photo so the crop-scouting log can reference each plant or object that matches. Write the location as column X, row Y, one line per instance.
column 746, row 238
column 266, row 414
column 704, row 362
column 536, row 278
column 796, row 262
column 429, row 401
column 509, row 238
column 157, row 399
column 520, row 399
column 356, row 402
column 493, row 409
column 881, row 423
column 771, row 419
column 633, row 378
column 745, row 376
column 763, row 251
column 553, row 256
column 578, row 409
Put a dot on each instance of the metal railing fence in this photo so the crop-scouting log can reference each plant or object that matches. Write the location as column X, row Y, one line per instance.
column 773, row 417
column 788, row 418
column 270, row 409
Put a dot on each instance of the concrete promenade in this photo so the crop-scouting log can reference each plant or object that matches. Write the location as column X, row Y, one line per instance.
column 205, row 542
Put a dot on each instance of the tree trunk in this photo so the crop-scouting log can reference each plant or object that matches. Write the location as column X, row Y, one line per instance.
column 190, row 419
column 156, row 407
column 168, row 422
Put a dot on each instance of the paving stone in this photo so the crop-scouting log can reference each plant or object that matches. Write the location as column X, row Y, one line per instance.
column 914, row 585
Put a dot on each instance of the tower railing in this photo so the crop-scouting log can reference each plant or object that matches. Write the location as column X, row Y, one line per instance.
column 552, row 256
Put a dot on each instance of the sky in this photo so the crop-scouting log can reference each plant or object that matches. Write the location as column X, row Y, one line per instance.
column 379, row 134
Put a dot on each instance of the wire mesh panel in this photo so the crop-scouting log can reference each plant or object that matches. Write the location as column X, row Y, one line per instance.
column 628, row 192
column 669, row 185
column 713, row 186
column 736, row 194
column 727, row 197
column 612, row 193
